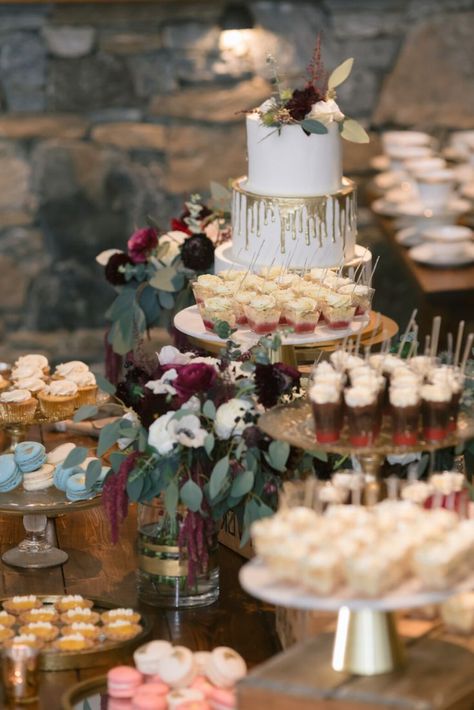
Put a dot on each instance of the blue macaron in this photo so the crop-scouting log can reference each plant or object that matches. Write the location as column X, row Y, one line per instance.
column 76, row 488
column 29, row 456
column 10, row 474
column 62, row 475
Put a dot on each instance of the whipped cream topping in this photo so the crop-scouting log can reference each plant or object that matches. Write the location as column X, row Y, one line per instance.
column 355, row 289
column 42, row 611
column 72, row 637
column 231, row 274
column 245, row 297
column 25, row 371
column 208, row 280
column 222, row 289
column 82, row 379
column 118, row 623
column 436, row 393
column 40, row 625
column 262, row 303
column 420, row 364
column 338, row 300
column 24, row 638
column 417, row 492
column 19, row 395
column 404, row 396
column 217, row 303
column 82, row 626
column 39, row 362
column 447, row 482
column 61, row 388
column 303, row 305
column 334, row 379
column 72, row 598
column 78, row 611
column 121, row 612
column 359, row 397
column 269, row 287
column 65, row 368
column 25, row 598
column 32, row 384
column 324, row 393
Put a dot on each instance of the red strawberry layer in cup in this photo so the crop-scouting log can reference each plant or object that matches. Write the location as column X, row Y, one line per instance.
column 457, row 501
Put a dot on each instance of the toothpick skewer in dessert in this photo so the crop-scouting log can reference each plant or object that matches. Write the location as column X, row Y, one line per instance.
column 457, row 351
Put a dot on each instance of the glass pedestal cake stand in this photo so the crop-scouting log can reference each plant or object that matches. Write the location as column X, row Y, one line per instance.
column 366, row 640
column 38, row 549
column 294, row 424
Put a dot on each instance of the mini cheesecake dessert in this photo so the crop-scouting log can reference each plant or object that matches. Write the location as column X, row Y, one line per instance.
column 203, row 286
column 338, row 310
column 263, row 314
column 217, row 309
column 361, row 297
column 301, row 314
column 362, row 413
column 58, row 399
column 327, row 406
column 73, row 642
column 284, row 299
column 240, row 300
column 17, row 405
column 436, row 410
column 231, row 275
column 405, row 408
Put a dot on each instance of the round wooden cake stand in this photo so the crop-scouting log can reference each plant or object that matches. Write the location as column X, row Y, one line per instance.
column 38, row 550
column 378, row 329
column 366, row 641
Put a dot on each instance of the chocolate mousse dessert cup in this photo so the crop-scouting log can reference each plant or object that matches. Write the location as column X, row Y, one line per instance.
column 405, row 410
column 328, row 411
column 436, row 410
column 362, row 414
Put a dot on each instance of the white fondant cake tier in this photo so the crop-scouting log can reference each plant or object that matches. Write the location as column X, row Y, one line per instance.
column 290, row 163
column 296, row 232
column 362, row 259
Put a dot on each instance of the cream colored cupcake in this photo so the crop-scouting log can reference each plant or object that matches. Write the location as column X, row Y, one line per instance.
column 58, row 399
column 17, row 405
column 39, row 362
column 86, row 387
column 32, row 384
column 4, row 384
column 23, row 372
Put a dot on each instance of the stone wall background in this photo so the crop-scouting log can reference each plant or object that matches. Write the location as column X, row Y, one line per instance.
column 110, row 112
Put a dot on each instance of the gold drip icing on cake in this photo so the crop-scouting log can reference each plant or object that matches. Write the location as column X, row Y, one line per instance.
column 306, row 215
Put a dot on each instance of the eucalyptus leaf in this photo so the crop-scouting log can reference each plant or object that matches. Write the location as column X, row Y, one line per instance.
column 166, row 299
column 191, row 495
column 242, row 484
column 139, row 320
column 209, row 409
column 93, row 471
column 75, row 457
column 354, row 132
column 278, row 453
column 104, row 384
column 340, row 73
column 209, row 442
column 320, row 455
column 85, row 412
column 122, row 304
column 171, row 497
column 218, row 478
column 162, row 280
column 134, row 488
column 116, row 460
column 108, row 437
column 121, row 334
column 312, row 126
column 149, row 303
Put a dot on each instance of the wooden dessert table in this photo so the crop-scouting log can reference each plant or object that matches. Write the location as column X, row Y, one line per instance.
column 98, row 568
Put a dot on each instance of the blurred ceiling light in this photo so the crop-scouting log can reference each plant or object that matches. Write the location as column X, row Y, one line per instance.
column 236, row 23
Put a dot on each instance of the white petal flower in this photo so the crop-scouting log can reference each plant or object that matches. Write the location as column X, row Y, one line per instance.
column 188, row 431
column 326, row 112
column 169, row 355
column 208, row 361
column 163, row 385
column 160, row 437
column 193, row 404
column 104, row 256
column 125, row 441
column 229, row 418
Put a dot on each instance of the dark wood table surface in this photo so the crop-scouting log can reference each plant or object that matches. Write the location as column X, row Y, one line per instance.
column 98, row 568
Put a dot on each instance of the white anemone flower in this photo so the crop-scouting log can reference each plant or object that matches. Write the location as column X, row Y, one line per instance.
column 159, row 435
column 188, row 431
column 163, row 384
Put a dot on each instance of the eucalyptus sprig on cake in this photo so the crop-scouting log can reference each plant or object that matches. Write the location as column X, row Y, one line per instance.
column 314, row 106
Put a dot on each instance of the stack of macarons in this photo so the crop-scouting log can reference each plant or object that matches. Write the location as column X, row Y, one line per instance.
column 169, row 677
column 38, row 470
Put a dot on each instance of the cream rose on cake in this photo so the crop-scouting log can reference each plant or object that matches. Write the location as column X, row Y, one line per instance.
column 326, row 112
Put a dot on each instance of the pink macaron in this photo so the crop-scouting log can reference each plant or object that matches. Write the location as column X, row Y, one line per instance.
column 118, row 704
column 146, row 698
column 123, row 681
column 222, row 699
column 195, row 705
column 158, row 686
column 201, row 683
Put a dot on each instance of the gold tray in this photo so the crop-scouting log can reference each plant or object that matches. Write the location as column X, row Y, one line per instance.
column 108, row 652
column 293, row 423
column 50, row 501
column 89, row 690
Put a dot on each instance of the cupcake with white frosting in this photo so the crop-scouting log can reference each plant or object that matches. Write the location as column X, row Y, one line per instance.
column 58, row 399
column 86, row 387
column 34, row 360
column 17, row 405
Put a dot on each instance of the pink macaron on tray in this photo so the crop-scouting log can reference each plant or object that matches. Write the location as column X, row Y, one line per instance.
column 166, row 677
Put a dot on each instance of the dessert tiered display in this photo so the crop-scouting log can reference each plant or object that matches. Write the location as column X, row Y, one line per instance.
column 34, row 483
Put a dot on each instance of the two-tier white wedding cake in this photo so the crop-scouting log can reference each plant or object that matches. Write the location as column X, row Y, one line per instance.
column 295, row 208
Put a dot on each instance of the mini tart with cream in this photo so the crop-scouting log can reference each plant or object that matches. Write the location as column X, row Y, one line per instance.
column 42, row 613
column 7, row 619
column 126, row 614
column 73, row 642
column 79, row 614
column 17, row 405
column 25, row 640
column 43, row 630
column 86, row 387
column 18, row 604
column 121, row 630
column 6, row 633
column 73, row 601
column 58, row 399
column 89, row 631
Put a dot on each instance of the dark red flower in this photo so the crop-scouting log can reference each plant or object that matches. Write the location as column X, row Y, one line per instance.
column 197, row 252
column 113, row 272
column 141, row 244
column 178, row 225
column 193, row 378
column 301, row 101
column 271, row 381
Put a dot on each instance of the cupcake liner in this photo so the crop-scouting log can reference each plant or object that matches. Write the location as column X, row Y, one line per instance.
column 18, row 412
column 57, row 407
column 87, row 395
